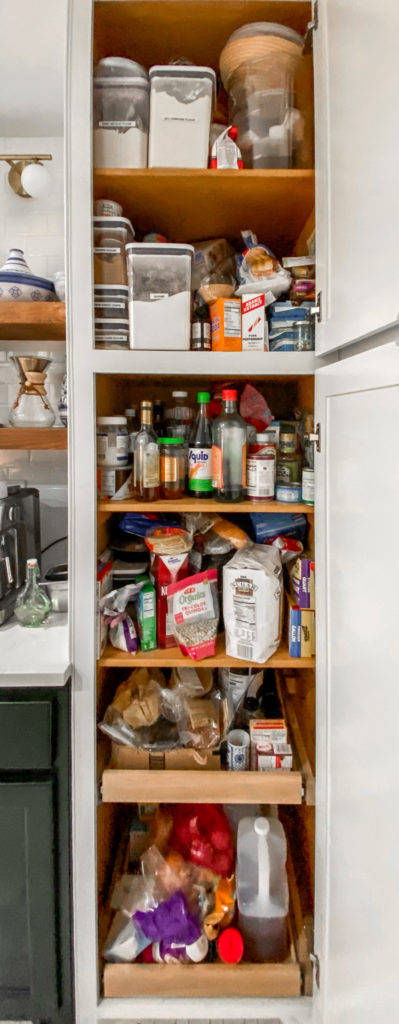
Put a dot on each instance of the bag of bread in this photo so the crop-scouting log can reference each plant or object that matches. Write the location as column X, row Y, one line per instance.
column 136, row 716
column 252, row 602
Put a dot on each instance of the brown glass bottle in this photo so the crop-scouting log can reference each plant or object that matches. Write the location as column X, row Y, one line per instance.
column 146, row 457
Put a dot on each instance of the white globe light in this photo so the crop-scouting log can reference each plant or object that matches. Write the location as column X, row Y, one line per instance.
column 35, row 179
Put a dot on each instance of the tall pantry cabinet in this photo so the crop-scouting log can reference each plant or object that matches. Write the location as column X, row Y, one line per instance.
column 355, row 373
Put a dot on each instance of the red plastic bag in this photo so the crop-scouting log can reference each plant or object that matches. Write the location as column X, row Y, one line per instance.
column 254, row 408
column 202, row 834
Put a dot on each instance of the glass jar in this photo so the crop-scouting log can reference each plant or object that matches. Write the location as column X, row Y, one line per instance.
column 179, row 416
column 173, row 467
column 289, row 459
column 261, row 470
column 112, row 441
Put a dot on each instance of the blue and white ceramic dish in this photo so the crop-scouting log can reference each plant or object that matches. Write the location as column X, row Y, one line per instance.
column 18, row 284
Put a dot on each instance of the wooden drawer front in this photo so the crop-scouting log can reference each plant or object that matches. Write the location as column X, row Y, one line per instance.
column 25, row 735
column 176, row 980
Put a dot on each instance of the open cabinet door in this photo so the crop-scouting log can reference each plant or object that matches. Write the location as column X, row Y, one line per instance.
column 357, row 560
column 357, row 168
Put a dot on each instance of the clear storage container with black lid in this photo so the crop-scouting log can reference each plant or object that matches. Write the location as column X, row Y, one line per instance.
column 121, row 112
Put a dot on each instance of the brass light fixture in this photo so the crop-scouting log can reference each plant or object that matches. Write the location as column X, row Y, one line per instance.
column 17, row 164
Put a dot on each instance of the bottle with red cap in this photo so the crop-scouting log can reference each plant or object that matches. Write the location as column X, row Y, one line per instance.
column 229, row 451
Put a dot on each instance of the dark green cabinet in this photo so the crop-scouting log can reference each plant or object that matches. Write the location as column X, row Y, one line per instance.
column 35, row 861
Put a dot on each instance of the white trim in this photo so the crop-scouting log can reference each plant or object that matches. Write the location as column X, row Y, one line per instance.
column 206, row 364
column 288, row 1011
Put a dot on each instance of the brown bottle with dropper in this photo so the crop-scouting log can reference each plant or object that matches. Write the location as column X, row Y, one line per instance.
column 146, row 457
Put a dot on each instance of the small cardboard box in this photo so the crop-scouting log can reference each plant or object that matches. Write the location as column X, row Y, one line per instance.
column 173, row 760
column 302, row 586
column 254, row 328
column 104, row 586
column 226, row 325
column 266, row 730
column 301, row 630
column 270, row 756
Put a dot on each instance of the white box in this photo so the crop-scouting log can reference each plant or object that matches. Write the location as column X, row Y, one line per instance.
column 254, row 328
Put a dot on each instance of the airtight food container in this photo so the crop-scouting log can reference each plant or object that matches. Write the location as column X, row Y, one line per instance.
column 121, row 96
column 110, row 237
column 111, row 334
column 159, row 295
column 110, row 302
column 181, row 102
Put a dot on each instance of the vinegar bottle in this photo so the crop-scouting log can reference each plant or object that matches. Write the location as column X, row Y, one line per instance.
column 146, row 458
column 229, row 451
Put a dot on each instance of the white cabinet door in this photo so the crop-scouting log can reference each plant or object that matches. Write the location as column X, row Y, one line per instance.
column 357, row 168
column 357, row 561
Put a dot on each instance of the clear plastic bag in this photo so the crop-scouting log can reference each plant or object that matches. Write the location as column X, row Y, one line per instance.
column 121, row 630
column 136, row 717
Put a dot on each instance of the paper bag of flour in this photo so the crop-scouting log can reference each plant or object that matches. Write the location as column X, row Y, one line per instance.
column 252, row 602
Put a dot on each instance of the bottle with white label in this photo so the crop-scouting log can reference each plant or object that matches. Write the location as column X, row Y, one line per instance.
column 146, row 457
column 200, row 451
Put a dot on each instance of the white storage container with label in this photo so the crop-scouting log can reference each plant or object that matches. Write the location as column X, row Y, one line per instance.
column 121, row 109
column 110, row 237
column 182, row 100
column 159, row 295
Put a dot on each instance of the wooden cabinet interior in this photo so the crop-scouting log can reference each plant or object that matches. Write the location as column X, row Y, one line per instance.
column 187, row 206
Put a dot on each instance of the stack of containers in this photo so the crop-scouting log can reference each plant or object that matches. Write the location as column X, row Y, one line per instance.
column 111, row 235
column 182, row 101
column 121, row 112
column 258, row 66
column 291, row 328
column 159, row 295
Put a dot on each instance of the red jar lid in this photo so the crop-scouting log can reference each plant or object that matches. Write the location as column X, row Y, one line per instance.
column 228, row 393
column 230, row 946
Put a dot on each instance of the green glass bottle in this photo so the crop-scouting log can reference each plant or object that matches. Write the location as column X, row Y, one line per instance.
column 32, row 606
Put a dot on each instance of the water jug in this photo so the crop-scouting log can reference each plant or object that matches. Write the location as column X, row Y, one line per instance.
column 262, row 888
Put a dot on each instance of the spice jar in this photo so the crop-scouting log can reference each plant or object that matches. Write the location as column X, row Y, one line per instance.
column 261, row 470
column 289, row 460
column 112, row 441
column 173, row 466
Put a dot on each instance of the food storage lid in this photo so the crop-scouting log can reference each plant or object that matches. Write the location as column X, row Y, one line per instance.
column 101, row 289
column 113, row 223
column 265, row 28
column 228, row 394
column 184, row 71
column 131, row 412
column 171, row 440
column 160, row 249
column 111, row 421
column 120, row 71
column 179, row 394
column 263, row 438
column 105, row 324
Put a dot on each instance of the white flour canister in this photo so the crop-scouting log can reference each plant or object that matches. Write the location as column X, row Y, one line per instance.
column 181, row 103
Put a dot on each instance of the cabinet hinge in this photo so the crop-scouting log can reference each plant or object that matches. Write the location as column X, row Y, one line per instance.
column 316, row 310
column 316, row 968
column 311, row 27
column 315, row 438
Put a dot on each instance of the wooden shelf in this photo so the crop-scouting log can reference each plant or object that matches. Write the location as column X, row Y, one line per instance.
column 204, row 505
column 32, row 439
column 186, row 205
column 170, row 656
column 221, row 980
column 32, row 321
column 129, row 785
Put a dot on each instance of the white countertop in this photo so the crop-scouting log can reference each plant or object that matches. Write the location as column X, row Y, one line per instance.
column 35, row 657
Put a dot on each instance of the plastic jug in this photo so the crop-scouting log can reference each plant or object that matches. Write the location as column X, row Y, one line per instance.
column 262, row 888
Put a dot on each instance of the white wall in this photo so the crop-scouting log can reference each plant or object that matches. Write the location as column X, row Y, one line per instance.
column 37, row 227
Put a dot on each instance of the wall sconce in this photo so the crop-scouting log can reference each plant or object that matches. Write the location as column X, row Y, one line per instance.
column 27, row 176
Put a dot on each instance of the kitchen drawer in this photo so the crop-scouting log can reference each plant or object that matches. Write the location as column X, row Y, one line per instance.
column 26, row 735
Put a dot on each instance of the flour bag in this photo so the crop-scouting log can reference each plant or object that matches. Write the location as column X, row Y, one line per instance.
column 252, row 602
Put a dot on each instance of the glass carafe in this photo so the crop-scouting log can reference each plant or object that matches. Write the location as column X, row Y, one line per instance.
column 32, row 605
column 31, row 407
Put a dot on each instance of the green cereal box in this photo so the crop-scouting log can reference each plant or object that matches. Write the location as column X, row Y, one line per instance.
column 146, row 611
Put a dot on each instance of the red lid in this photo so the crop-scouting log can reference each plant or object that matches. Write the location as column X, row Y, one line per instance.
column 228, row 394
column 230, row 946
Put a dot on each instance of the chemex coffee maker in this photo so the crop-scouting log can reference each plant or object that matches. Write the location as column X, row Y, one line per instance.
column 19, row 540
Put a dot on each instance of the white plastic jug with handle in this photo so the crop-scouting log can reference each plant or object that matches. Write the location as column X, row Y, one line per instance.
column 262, row 888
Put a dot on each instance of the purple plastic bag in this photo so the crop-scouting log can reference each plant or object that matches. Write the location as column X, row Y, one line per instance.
column 171, row 921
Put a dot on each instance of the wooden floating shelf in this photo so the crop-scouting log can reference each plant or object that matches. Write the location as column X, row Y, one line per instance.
column 172, row 656
column 213, row 980
column 32, row 321
column 33, row 439
column 203, row 505
column 187, row 205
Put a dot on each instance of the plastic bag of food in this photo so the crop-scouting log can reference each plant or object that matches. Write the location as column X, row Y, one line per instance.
column 193, row 610
column 202, row 834
column 136, row 717
column 254, row 408
column 252, row 603
column 258, row 269
column 223, row 910
column 113, row 608
column 125, row 940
